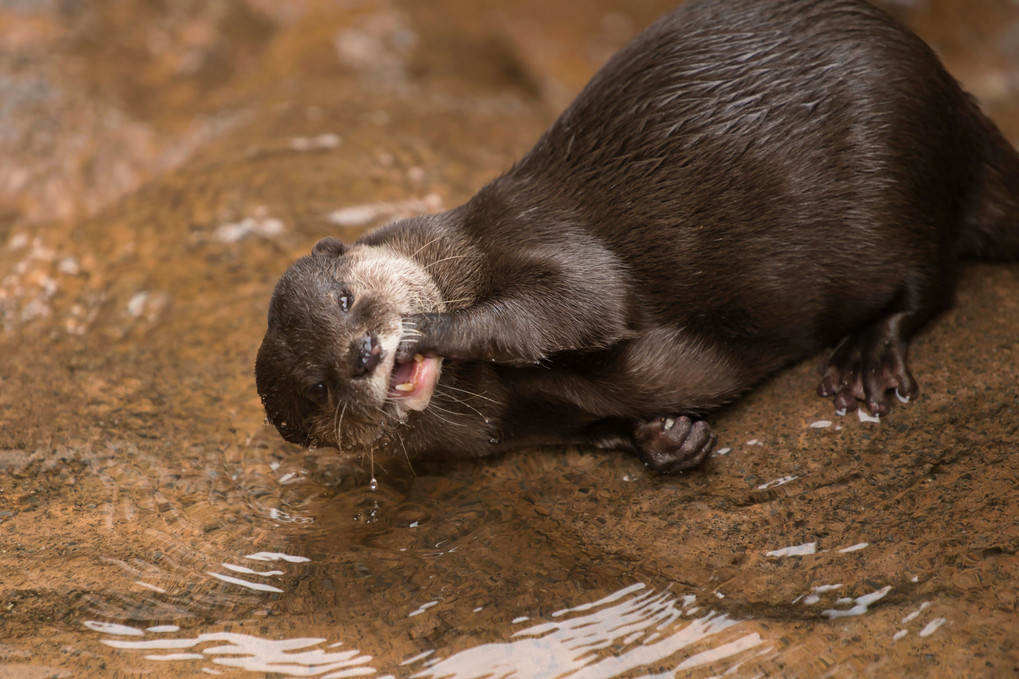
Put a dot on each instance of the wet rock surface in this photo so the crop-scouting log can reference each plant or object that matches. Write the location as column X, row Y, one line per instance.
column 162, row 165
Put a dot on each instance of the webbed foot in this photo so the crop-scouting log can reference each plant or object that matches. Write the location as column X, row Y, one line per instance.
column 868, row 366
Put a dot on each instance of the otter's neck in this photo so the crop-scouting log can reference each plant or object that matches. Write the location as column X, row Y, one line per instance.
column 441, row 245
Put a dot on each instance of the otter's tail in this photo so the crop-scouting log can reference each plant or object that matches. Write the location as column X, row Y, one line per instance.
column 991, row 228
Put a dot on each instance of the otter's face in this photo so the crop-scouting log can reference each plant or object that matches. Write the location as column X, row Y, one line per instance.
column 327, row 370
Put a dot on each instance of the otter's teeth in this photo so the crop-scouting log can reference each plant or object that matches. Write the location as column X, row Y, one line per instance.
column 418, row 358
column 406, row 386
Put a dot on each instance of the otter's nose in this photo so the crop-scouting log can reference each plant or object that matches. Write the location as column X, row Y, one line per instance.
column 365, row 355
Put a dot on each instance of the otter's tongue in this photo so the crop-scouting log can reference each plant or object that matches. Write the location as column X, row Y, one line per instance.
column 414, row 383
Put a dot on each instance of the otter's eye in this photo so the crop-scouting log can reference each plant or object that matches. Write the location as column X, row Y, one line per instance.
column 345, row 300
column 318, row 393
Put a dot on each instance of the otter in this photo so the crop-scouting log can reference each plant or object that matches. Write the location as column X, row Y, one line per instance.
column 745, row 184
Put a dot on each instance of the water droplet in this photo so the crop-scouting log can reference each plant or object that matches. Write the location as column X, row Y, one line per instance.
column 487, row 421
column 267, row 422
column 494, row 440
column 373, row 484
column 311, row 449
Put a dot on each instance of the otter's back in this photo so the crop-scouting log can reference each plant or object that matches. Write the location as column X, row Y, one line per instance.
column 752, row 161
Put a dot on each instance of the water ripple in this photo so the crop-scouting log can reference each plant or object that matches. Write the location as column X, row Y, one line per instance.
column 634, row 628
column 304, row 657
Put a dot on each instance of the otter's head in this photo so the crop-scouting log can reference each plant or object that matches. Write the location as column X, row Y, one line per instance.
column 327, row 370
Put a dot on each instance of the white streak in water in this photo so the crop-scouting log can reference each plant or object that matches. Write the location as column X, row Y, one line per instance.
column 148, row 586
column 854, row 548
column 798, row 550
column 612, row 598
column 814, row 597
column 422, row 608
column 722, row 652
column 244, row 583
column 176, row 656
column 916, row 614
column 113, row 628
column 277, row 556
column 616, row 636
column 278, row 657
column 248, row 571
column 777, row 482
column 861, row 604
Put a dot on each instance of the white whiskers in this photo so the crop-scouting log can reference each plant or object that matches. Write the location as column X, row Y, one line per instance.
column 434, row 240
column 458, row 400
column 445, row 259
column 338, row 422
column 470, row 393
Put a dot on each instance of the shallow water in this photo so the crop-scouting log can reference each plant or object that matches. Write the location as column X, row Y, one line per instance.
column 153, row 188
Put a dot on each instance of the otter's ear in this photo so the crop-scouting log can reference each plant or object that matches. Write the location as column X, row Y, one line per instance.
column 329, row 247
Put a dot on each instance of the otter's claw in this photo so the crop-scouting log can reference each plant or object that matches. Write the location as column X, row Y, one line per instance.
column 410, row 340
column 406, row 349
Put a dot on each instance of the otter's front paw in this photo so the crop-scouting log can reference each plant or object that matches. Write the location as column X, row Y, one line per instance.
column 406, row 349
column 670, row 445
column 415, row 337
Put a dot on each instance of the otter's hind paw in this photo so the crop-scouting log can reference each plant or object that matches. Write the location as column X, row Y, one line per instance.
column 868, row 367
column 671, row 445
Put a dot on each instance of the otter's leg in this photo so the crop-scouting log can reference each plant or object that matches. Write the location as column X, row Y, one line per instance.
column 870, row 365
column 568, row 296
column 672, row 444
column 512, row 332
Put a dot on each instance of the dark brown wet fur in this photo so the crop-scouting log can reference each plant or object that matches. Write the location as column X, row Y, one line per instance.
column 745, row 184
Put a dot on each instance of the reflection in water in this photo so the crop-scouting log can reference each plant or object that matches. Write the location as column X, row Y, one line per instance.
column 797, row 550
column 258, row 586
column 932, row 627
column 291, row 657
column 859, row 605
column 258, row 556
column 113, row 628
column 303, row 657
column 634, row 628
column 277, row 556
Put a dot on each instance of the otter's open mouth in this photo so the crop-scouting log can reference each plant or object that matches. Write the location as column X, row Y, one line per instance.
column 413, row 383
